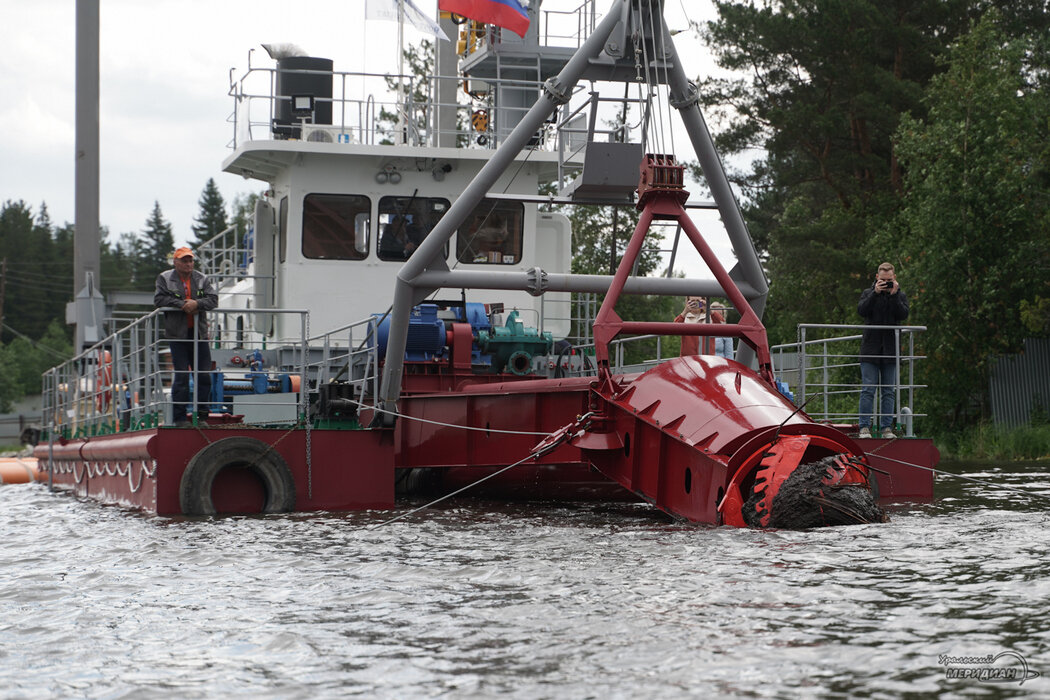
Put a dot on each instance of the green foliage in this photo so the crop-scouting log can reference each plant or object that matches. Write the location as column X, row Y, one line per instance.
column 244, row 210
column 973, row 230
column 988, row 441
column 819, row 274
column 23, row 361
column 38, row 279
column 826, row 84
column 876, row 148
column 419, row 63
column 211, row 221
column 1035, row 314
column 10, row 388
column 599, row 237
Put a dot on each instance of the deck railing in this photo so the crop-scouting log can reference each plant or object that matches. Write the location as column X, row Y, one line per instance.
column 226, row 256
column 366, row 110
column 349, row 354
column 124, row 382
column 825, row 370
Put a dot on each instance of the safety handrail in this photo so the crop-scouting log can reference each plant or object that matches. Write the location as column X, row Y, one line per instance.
column 826, row 371
column 123, row 382
column 353, row 117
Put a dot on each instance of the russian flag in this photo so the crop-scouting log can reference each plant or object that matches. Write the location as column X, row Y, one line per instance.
column 509, row 14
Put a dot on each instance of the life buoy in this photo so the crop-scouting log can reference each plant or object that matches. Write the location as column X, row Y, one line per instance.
column 240, row 452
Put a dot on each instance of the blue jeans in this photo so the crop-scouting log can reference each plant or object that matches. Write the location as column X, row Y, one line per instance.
column 182, row 360
column 884, row 376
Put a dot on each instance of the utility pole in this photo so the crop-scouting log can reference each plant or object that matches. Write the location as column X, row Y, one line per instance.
column 88, row 308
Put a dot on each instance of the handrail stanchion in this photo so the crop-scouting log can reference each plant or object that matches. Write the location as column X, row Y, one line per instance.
column 802, row 365
column 827, row 378
column 911, row 378
column 897, row 374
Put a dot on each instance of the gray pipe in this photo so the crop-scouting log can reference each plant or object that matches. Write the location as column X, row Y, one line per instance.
column 556, row 282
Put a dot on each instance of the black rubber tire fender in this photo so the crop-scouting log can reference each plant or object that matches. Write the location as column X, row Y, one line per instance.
column 264, row 461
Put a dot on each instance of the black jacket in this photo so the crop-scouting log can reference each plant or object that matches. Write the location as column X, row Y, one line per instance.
column 171, row 293
column 880, row 310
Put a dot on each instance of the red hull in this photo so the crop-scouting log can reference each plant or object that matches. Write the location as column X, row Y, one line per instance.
column 355, row 469
column 348, row 470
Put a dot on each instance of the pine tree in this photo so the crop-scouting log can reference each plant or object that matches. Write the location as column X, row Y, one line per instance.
column 157, row 246
column 36, row 286
column 120, row 263
column 212, row 218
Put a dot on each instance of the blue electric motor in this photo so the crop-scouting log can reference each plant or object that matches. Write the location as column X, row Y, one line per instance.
column 426, row 334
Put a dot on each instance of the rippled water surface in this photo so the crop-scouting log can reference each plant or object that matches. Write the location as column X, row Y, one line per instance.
column 482, row 599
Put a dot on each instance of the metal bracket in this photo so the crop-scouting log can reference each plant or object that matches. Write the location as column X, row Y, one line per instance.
column 556, row 92
column 537, row 282
column 691, row 98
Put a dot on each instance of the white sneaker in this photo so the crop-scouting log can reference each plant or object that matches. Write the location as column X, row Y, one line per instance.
column 865, row 432
column 888, row 434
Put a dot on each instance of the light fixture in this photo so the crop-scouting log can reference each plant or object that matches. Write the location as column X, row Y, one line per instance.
column 440, row 170
column 302, row 106
column 388, row 174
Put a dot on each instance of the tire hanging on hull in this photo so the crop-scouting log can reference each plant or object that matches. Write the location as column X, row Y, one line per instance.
column 195, row 496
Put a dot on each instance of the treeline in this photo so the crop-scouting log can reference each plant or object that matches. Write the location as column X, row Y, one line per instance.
column 915, row 132
column 36, row 278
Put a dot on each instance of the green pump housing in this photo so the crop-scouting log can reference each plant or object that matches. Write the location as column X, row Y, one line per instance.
column 513, row 345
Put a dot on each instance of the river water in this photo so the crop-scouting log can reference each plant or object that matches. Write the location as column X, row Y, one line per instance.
column 482, row 599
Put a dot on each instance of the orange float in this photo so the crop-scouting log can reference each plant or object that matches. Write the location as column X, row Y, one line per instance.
column 20, row 470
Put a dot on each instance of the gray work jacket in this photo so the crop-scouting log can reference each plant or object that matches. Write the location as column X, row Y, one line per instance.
column 171, row 293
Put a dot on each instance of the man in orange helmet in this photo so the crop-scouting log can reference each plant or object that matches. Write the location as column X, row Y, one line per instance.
column 186, row 295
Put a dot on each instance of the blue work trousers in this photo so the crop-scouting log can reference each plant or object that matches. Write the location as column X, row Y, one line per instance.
column 883, row 376
column 182, row 361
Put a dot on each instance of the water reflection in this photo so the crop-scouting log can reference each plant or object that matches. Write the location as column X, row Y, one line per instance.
column 479, row 599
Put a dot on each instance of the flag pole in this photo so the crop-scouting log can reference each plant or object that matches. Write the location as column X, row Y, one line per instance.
column 400, row 72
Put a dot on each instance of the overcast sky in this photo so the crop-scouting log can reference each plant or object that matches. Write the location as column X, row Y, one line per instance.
column 165, row 68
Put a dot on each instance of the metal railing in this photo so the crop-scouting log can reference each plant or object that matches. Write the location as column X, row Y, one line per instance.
column 123, row 383
column 226, row 256
column 568, row 28
column 825, row 371
column 359, row 101
column 349, row 353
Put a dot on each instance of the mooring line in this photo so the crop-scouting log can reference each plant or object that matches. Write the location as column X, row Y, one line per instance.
column 991, row 484
column 454, row 493
column 446, row 425
column 553, row 441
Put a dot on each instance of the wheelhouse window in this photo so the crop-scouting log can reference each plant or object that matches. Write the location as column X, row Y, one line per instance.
column 335, row 226
column 404, row 222
column 491, row 234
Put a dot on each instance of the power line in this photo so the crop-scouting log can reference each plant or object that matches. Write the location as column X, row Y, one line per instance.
column 36, row 344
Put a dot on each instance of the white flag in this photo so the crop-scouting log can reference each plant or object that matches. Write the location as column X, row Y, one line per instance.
column 387, row 10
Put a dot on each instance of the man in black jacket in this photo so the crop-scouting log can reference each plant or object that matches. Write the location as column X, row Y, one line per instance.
column 881, row 304
column 186, row 294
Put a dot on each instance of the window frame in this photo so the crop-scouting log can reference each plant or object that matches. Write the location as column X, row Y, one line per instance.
column 484, row 211
column 337, row 246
